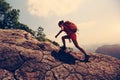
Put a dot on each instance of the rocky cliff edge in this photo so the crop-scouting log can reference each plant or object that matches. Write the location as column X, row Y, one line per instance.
column 22, row 57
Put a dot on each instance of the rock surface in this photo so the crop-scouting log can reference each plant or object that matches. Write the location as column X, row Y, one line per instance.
column 22, row 57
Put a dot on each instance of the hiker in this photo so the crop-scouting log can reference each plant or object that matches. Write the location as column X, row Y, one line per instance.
column 70, row 29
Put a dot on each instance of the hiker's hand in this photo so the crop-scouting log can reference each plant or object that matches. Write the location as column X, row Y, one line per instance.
column 56, row 36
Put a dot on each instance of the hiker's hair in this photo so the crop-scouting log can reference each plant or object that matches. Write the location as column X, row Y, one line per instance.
column 60, row 22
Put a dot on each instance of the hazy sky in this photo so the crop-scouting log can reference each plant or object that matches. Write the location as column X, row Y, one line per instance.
column 98, row 21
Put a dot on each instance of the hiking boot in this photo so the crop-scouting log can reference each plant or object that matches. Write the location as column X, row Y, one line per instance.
column 86, row 58
column 63, row 48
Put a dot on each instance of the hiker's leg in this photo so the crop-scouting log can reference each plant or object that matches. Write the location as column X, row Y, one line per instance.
column 82, row 50
column 77, row 46
column 63, row 40
column 74, row 39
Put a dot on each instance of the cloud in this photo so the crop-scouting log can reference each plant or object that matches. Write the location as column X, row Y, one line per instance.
column 100, row 31
column 52, row 7
column 86, row 25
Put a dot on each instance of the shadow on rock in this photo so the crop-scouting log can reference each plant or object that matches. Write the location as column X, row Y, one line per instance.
column 65, row 57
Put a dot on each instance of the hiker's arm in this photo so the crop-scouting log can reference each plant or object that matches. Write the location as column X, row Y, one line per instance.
column 58, row 33
column 62, row 28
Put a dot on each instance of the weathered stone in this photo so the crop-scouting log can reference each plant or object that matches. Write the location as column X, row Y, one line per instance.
column 6, row 75
column 22, row 57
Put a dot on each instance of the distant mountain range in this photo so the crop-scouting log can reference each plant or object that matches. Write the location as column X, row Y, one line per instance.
column 112, row 50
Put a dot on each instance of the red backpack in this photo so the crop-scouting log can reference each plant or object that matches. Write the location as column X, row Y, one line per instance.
column 71, row 26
